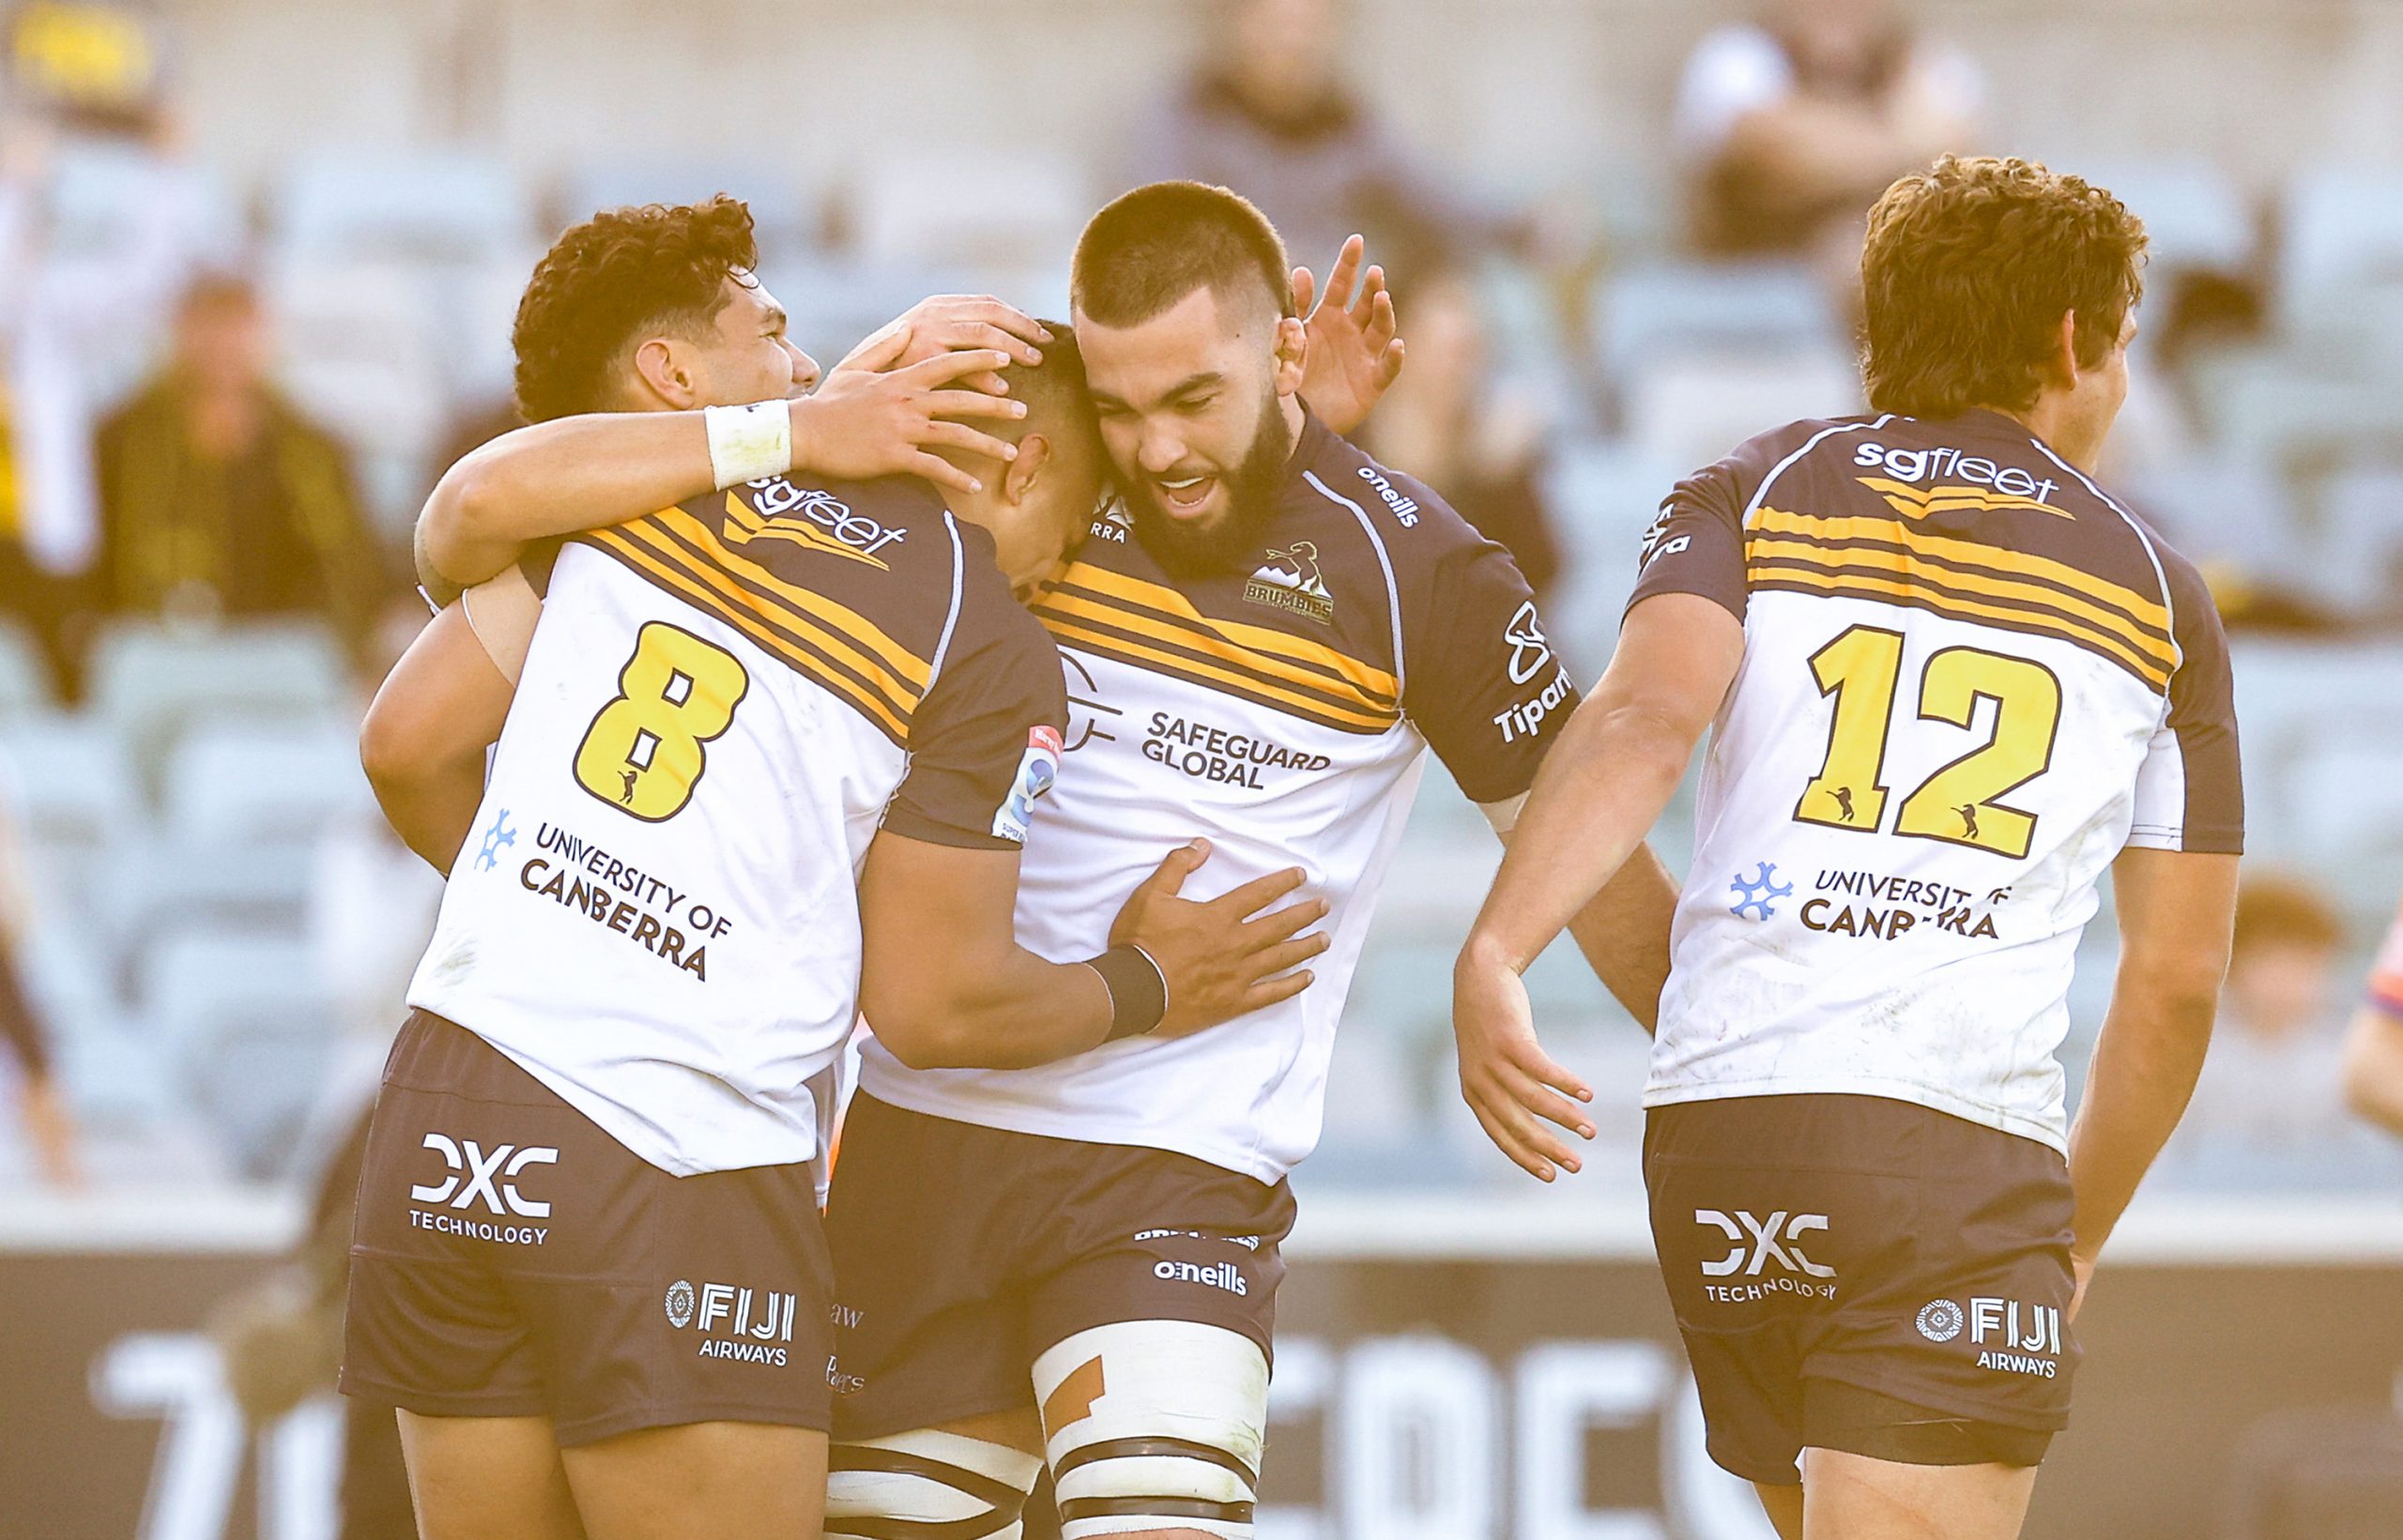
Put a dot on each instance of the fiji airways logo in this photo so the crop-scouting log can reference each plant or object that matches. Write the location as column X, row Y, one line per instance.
column 2011, row 1337
column 1290, row 580
column 749, row 1326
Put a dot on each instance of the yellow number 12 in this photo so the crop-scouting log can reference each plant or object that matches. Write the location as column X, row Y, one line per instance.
column 1962, row 802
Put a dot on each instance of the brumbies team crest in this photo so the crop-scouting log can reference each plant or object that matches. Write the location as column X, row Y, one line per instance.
column 1290, row 580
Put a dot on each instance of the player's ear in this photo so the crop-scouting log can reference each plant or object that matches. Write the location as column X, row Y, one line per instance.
column 666, row 373
column 2060, row 363
column 1020, row 477
column 1293, row 350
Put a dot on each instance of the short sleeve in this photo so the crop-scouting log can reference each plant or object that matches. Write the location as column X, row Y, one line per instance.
column 984, row 743
column 1482, row 681
column 1696, row 545
column 2190, row 789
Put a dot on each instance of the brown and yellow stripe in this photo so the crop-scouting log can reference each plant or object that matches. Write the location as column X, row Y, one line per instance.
column 830, row 642
column 1885, row 560
column 1158, row 628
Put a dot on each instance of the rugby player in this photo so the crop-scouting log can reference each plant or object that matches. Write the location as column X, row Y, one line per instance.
column 1077, row 1263
column 770, row 754
column 1951, row 681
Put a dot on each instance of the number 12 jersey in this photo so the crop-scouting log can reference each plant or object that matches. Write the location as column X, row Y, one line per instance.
column 1970, row 679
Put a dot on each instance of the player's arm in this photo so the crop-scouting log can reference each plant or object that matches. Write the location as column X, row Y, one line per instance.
column 2374, row 1066
column 443, row 705
column 2177, row 913
column 944, row 984
column 572, row 474
column 1624, row 933
column 2374, row 1043
column 1598, row 792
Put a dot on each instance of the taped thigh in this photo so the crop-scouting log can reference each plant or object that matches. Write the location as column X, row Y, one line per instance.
column 1154, row 1425
column 927, row 1485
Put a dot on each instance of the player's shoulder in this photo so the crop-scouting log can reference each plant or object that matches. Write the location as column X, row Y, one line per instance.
column 1396, row 514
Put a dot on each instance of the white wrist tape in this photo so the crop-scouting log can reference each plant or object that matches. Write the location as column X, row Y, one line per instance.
column 749, row 443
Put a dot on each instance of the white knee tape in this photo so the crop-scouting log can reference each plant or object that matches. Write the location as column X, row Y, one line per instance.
column 1154, row 1425
column 949, row 1483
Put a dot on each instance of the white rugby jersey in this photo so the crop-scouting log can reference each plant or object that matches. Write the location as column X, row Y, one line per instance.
column 1970, row 679
column 1282, row 710
column 656, row 914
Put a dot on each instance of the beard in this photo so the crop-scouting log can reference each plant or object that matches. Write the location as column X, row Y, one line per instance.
column 1187, row 548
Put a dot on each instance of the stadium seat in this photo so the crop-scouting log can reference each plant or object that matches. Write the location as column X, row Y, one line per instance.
column 361, row 344
column 150, row 681
column 418, row 206
column 1691, row 410
column 953, row 208
column 239, row 782
column 780, row 211
column 2193, row 215
column 25, row 683
column 241, row 1016
column 2357, row 547
column 70, row 781
column 2343, row 234
column 1740, row 309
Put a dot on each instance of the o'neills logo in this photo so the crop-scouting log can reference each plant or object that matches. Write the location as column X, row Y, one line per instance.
column 1290, row 580
column 1224, row 1276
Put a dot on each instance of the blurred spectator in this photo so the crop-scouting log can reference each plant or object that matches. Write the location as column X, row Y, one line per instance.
column 1446, row 423
column 2373, row 1047
column 72, row 316
column 220, row 497
column 42, row 1109
column 1269, row 115
column 2270, row 1105
column 1791, row 125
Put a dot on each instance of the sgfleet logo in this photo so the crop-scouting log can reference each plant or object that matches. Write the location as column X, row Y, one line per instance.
column 1224, row 1276
column 1978, row 483
column 746, row 1325
column 477, row 1176
column 1756, row 1243
column 808, row 517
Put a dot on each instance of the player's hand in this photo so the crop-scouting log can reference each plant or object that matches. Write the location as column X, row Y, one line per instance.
column 1355, row 352
column 1506, row 1078
column 1222, row 958
column 952, row 323
column 883, row 420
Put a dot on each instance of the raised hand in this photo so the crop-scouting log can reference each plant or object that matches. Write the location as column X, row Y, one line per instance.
column 886, row 419
column 1222, row 957
column 1506, row 1078
column 1355, row 351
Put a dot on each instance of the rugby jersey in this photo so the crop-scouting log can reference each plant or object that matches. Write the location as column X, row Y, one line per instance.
column 1970, row 679
column 1283, row 710
column 655, row 914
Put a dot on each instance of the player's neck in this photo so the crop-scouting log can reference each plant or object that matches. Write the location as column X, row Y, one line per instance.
column 2063, row 428
column 1295, row 417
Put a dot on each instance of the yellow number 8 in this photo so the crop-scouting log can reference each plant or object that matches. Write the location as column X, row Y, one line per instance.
column 644, row 753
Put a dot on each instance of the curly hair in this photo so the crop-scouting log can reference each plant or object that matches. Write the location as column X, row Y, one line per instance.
column 620, row 277
column 1152, row 247
column 1968, row 272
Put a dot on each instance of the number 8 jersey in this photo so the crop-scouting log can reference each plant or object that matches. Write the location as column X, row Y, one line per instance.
column 656, row 913
column 1970, row 679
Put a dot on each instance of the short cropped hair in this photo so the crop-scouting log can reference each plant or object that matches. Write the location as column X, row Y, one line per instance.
column 622, row 276
column 1967, row 270
column 1057, row 403
column 1152, row 247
